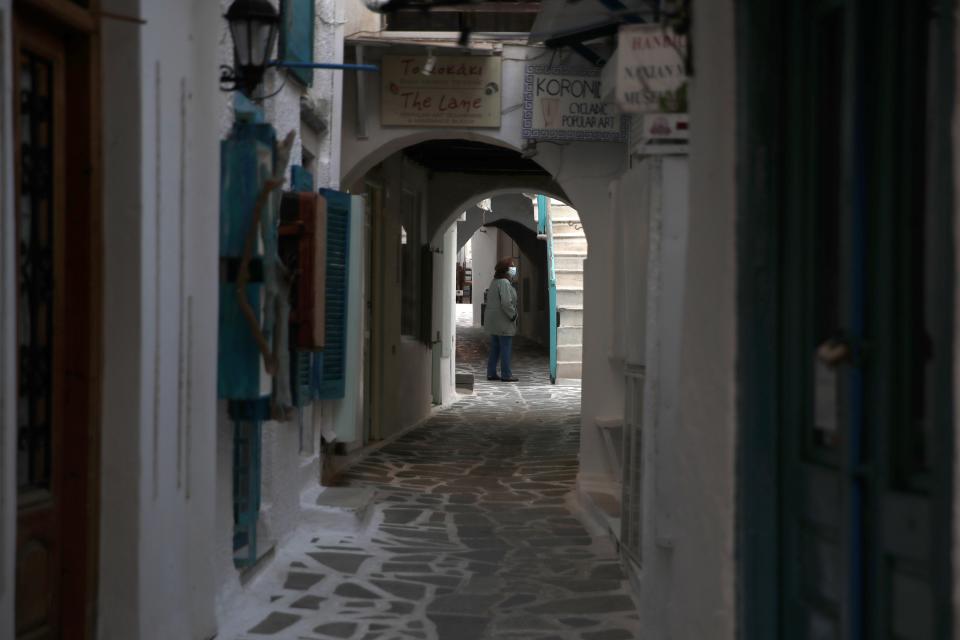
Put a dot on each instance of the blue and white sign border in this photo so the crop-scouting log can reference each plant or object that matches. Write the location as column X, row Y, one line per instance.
column 529, row 133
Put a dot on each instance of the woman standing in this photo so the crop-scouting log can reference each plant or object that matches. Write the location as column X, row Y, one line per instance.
column 500, row 320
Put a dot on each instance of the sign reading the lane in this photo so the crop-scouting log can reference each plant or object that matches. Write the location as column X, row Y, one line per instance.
column 565, row 104
column 441, row 91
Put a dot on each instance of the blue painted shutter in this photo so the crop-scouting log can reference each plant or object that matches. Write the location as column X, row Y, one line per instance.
column 301, row 179
column 246, row 158
column 331, row 372
column 296, row 37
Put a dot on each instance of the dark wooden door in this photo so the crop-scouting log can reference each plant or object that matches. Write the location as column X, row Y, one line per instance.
column 822, row 513
column 57, row 298
column 864, row 328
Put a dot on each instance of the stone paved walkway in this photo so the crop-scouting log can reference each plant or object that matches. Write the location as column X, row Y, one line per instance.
column 473, row 534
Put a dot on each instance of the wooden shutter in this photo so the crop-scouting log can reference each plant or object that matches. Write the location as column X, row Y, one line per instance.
column 302, row 242
column 332, row 369
column 426, row 295
column 296, row 37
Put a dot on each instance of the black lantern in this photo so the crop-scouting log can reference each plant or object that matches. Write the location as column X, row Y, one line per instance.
column 253, row 26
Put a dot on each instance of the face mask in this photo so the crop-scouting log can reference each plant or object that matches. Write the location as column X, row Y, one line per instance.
column 512, row 271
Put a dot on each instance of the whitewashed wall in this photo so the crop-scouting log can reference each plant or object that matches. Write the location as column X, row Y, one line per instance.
column 160, row 244
column 700, row 584
column 286, row 470
column 484, row 260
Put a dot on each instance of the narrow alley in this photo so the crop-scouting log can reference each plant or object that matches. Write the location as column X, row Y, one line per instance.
column 254, row 255
column 471, row 531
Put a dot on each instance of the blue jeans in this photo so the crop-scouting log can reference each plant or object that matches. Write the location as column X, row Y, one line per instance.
column 499, row 350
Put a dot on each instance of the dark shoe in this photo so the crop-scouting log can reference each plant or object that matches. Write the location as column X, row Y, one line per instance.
column 510, row 379
column 493, row 377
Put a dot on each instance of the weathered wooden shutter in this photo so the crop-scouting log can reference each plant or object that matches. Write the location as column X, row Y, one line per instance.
column 296, row 37
column 305, row 211
column 246, row 159
column 248, row 417
column 332, row 369
column 426, row 295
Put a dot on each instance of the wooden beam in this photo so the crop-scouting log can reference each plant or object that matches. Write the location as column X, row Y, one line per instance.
column 69, row 14
column 478, row 7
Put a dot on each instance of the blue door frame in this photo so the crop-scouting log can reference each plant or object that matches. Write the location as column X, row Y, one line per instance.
column 545, row 228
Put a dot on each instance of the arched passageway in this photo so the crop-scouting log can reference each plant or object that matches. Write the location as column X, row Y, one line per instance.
column 416, row 196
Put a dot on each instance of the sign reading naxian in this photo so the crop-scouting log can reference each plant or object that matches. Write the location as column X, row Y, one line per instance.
column 651, row 75
column 565, row 104
column 441, row 91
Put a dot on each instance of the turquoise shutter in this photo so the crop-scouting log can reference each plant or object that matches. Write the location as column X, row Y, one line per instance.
column 296, row 37
column 300, row 178
column 330, row 374
column 301, row 376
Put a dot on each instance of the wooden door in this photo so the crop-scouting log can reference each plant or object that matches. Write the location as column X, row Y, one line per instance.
column 907, row 470
column 864, row 329
column 822, row 518
column 57, row 298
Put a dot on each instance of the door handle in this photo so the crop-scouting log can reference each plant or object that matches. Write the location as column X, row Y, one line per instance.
column 834, row 352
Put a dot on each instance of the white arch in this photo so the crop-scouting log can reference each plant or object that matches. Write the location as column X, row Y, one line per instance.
column 471, row 200
column 365, row 156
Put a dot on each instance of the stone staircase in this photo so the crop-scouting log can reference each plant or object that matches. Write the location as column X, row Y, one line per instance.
column 569, row 251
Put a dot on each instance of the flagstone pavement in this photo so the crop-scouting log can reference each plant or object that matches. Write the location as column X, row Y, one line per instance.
column 473, row 531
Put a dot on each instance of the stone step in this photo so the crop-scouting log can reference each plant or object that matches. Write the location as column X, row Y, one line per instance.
column 337, row 508
column 568, row 262
column 569, row 353
column 569, row 298
column 571, row 316
column 569, row 335
column 562, row 213
column 569, row 244
column 569, row 278
column 569, row 369
column 567, row 227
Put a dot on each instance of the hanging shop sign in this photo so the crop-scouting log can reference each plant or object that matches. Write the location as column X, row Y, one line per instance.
column 565, row 104
column 651, row 76
column 441, row 91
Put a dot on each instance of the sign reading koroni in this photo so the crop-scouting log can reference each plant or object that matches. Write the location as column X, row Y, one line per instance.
column 566, row 104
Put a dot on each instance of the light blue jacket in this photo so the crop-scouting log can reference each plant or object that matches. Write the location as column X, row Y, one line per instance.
column 500, row 317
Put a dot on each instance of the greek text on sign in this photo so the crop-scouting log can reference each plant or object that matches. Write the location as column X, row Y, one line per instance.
column 455, row 91
column 650, row 69
column 565, row 104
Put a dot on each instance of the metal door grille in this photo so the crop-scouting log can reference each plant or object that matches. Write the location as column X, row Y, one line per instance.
column 631, row 524
column 35, row 273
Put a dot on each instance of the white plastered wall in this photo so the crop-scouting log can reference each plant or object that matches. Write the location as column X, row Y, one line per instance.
column 484, row 259
column 699, row 588
column 160, row 243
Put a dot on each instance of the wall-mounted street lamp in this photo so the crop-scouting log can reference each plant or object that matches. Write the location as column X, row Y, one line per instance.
column 253, row 26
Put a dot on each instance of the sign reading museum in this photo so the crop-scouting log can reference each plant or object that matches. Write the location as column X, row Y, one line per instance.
column 565, row 104
column 651, row 75
column 441, row 91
